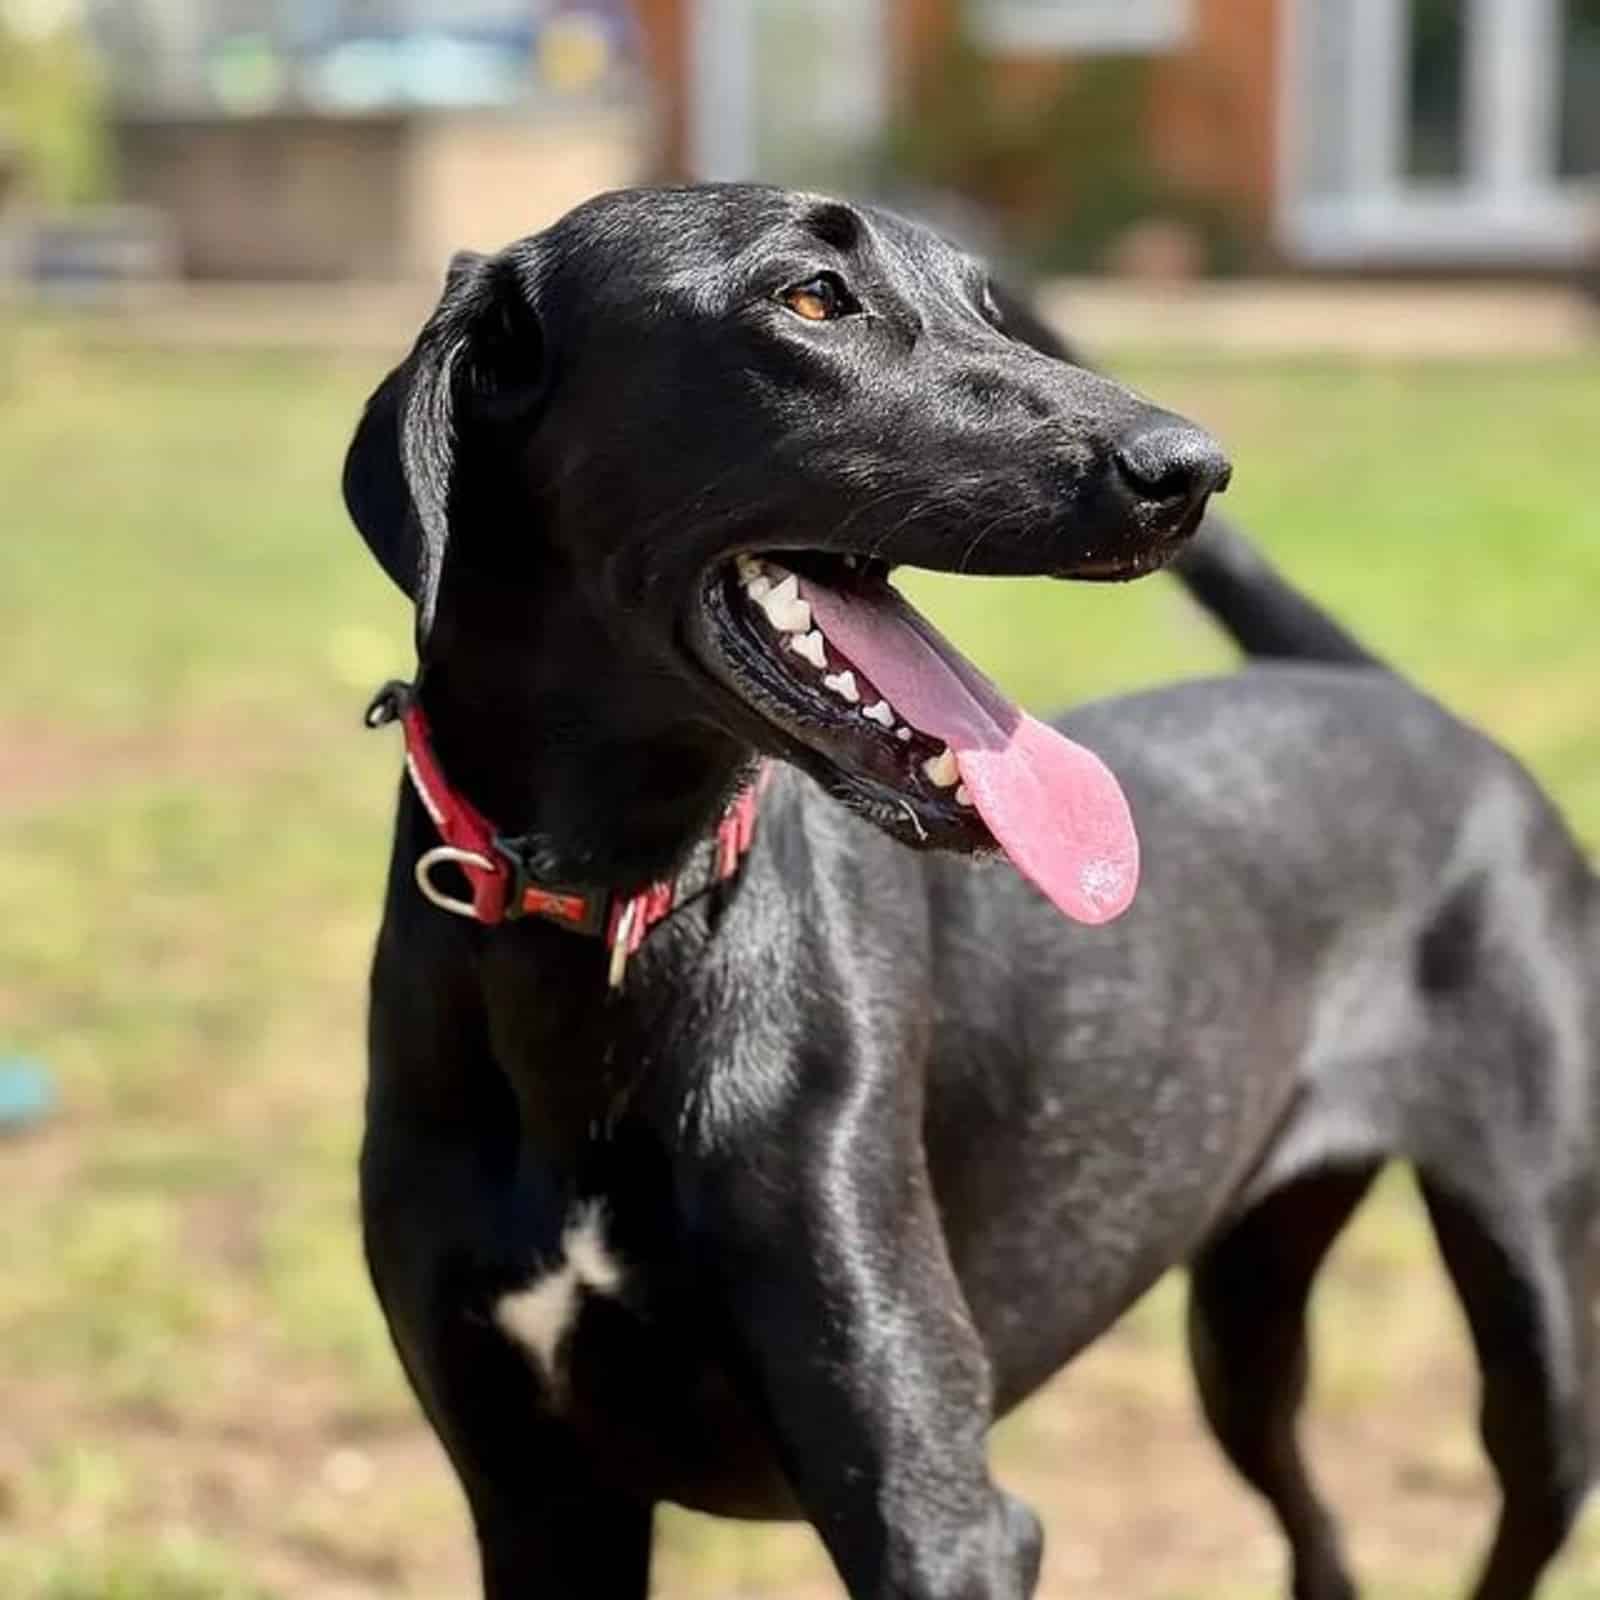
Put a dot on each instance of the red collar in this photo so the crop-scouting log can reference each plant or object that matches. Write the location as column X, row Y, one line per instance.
column 502, row 885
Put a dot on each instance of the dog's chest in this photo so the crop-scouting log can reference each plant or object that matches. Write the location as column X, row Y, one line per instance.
column 622, row 1339
column 543, row 1315
column 602, row 1265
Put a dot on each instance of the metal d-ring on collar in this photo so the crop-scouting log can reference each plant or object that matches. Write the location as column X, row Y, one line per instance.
column 429, row 859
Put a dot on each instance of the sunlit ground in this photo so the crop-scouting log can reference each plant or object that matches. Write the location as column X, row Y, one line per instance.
column 196, row 1397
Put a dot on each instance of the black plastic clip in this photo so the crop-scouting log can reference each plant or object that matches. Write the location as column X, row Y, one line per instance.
column 388, row 704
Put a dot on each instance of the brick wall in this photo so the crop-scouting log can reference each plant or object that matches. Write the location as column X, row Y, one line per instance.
column 665, row 25
column 1213, row 105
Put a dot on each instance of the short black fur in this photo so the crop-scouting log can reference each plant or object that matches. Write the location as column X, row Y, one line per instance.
column 873, row 1140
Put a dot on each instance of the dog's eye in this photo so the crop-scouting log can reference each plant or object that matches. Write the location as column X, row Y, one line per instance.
column 819, row 299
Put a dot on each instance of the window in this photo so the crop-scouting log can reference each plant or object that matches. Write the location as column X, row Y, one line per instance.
column 1436, row 123
column 1580, row 91
column 1451, row 131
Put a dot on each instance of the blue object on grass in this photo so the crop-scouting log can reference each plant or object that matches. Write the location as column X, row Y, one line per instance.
column 27, row 1093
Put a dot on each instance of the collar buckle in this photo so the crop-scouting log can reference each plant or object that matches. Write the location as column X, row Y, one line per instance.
column 389, row 704
column 579, row 908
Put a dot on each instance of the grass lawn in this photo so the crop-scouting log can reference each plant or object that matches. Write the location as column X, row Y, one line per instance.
column 197, row 1400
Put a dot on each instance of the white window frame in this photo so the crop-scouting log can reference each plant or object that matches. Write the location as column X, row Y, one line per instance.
column 1079, row 27
column 1510, row 207
column 721, row 78
column 723, row 127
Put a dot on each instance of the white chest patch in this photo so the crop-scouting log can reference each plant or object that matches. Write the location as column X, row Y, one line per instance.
column 540, row 1316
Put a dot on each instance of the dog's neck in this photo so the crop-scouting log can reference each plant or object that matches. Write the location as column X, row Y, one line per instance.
column 590, row 762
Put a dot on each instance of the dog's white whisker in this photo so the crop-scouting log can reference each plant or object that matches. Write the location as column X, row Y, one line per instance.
column 913, row 818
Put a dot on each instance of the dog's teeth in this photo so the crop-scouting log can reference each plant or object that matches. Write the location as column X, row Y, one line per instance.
column 843, row 684
column 850, row 561
column 903, row 734
column 882, row 713
column 758, row 588
column 941, row 769
column 963, row 795
column 748, row 567
column 810, row 645
column 785, row 610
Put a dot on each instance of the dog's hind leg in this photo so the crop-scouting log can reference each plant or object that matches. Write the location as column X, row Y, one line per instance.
column 1247, row 1341
column 1526, row 1272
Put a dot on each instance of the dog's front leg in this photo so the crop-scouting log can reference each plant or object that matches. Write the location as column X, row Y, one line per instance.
column 821, row 1228
column 433, row 1218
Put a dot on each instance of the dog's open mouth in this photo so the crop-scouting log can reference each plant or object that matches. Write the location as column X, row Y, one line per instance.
column 909, row 732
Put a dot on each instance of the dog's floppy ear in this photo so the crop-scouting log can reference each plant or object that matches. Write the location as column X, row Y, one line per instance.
column 477, row 367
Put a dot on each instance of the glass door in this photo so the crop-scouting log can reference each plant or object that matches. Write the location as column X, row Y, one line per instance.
column 1460, row 131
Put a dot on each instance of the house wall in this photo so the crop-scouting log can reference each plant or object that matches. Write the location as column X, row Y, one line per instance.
column 302, row 197
column 1213, row 105
column 665, row 27
column 273, row 197
column 477, row 181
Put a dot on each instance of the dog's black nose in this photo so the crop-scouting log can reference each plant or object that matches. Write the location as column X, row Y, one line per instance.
column 1173, row 463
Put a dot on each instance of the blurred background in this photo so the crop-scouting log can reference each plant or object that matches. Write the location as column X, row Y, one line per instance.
column 1360, row 239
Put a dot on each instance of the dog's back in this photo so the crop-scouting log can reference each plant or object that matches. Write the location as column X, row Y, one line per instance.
column 1496, row 1104
column 1512, row 838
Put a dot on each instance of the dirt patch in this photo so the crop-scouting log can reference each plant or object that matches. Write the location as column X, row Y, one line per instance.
column 1134, row 1496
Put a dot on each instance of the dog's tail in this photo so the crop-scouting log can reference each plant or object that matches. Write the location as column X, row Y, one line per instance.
column 1267, row 616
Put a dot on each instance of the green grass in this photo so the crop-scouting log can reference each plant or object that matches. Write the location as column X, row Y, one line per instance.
column 197, row 1398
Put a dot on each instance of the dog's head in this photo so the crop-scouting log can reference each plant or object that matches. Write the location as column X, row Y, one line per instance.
column 698, row 427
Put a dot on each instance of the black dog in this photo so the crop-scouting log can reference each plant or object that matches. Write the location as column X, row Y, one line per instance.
column 862, row 1144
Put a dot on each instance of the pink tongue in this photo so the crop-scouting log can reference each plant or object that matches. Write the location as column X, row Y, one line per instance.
column 1053, row 806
